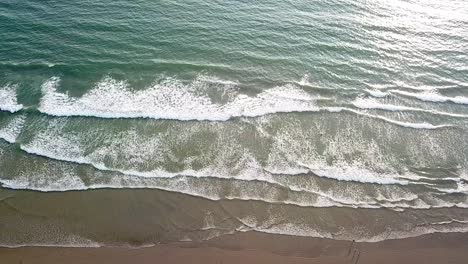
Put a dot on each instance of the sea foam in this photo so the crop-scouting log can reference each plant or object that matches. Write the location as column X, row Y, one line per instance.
column 254, row 183
column 63, row 149
column 423, row 125
column 170, row 99
column 433, row 96
column 173, row 99
column 12, row 129
column 371, row 103
column 377, row 93
column 367, row 103
column 8, row 101
column 272, row 226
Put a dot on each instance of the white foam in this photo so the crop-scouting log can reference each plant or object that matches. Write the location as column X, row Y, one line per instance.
column 433, row 96
column 369, row 103
column 67, row 240
column 12, row 130
column 61, row 148
column 305, row 82
column 423, row 125
column 8, row 101
column 379, row 86
column 66, row 180
column 462, row 188
column 355, row 174
column 290, row 229
column 450, row 222
column 414, row 177
column 377, row 93
column 425, row 88
column 211, row 79
column 180, row 185
column 415, row 232
column 170, row 99
column 59, row 143
column 303, row 230
column 148, row 179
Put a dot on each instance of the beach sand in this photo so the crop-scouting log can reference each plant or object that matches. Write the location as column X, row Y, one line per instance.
column 254, row 247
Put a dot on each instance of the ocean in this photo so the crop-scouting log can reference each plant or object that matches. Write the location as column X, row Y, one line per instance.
column 139, row 122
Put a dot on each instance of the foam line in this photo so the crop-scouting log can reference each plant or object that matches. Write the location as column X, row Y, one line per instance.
column 172, row 99
column 323, row 201
column 376, row 93
column 368, row 103
column 296, row 230
column 423, row 125
column 433, row 96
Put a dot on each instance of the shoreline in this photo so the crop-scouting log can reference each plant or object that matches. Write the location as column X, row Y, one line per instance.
column 256, row 247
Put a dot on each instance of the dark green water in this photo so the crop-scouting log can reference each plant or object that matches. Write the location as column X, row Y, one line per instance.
column 339, row 119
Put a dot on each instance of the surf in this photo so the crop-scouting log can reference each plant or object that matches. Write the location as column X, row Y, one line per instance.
column 8, row 101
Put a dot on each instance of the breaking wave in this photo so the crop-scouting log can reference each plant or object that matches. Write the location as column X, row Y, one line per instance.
column 433, row 96
column 8, row 101
column 172, row 99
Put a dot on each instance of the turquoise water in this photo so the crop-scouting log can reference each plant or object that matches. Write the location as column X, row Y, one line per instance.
column 317, row 110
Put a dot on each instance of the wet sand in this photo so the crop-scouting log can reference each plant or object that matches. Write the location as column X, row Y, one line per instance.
column 254, row 247
column 143, row 217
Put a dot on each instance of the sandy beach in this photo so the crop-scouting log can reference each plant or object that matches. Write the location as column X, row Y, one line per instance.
column 254, row 247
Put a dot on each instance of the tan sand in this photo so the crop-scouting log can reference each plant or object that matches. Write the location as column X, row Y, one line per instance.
column 254, row 247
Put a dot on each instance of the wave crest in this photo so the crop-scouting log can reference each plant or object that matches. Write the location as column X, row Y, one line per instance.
column 171, row 99
column 8, row 101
